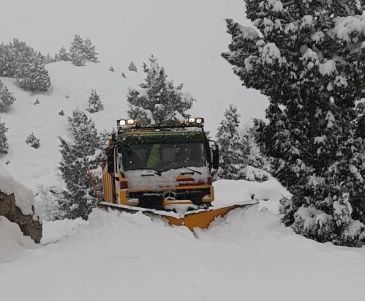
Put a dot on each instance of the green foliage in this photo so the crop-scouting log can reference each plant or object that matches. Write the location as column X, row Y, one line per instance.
column 82, row 51
column 79, row 158
column 6, row 98
column 159, row 100
column 95, row 104
column 20, row 61
column 3, row 140
column 306, row 56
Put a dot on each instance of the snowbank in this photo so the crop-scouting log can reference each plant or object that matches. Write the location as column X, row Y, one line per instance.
column 247, row 255
column 12, row 240
column 269, row 192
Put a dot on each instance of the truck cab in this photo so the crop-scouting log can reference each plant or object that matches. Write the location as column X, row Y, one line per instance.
column 161, row 166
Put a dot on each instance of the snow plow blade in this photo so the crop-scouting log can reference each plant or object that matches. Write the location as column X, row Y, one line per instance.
column 200, row 218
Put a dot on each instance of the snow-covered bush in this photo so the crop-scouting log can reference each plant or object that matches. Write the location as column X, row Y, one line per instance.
column 18, row 60
column 95, row 104
column 6, row 98
column 33, row 77
column 33, row 141
column 63, row 55
column 232, row 146
column 132, row 67
column 308, row 58
column 82, row 51
column 239, row 156
column 48, row 200
column 158, row 100
column 79, row 158
column 3, row 140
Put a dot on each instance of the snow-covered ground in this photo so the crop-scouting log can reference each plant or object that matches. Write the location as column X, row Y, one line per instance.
column 247, row 256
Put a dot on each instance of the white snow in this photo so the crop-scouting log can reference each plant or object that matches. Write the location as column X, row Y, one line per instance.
column 328, row 68
column 148, row 177
column 13, row 243
column 330, row 119
column 318, row 36
column 270, row 54
column 249, row 255
column 273, row 5
column 307, row 21
column 348, row 28
column 248, row 32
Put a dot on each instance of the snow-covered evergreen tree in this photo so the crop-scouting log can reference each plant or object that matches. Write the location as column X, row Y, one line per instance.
column 95, row 104
column 63, row 55
column 77, row 51
column 6, row 98
column 308, row 58
column 82, row 51
column 78, row 159
column 132, row 67
column 158, row 100
column 90, row 53
column 233, row 147
column 33, row 76
column 33, row 141
column 19, row 60
column 3, row 140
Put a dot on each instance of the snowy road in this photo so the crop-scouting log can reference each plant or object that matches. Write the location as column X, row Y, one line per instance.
column 248, row 256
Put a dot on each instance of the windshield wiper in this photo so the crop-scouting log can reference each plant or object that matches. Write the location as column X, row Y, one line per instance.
column 193, row 170
column 155, row 172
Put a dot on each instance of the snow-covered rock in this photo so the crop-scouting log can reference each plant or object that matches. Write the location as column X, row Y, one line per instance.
column 17, row 205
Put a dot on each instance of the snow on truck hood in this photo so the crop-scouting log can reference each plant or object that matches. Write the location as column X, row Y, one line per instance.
column 151, row 178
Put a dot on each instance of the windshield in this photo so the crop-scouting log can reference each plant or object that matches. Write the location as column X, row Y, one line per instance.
column 164, row 156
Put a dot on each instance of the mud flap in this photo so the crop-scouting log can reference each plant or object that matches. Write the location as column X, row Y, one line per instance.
column 200, row 218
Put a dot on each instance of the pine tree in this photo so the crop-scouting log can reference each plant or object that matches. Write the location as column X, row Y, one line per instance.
column 132, row 67
column 63, row 55
column 233, row 147
column 6, row 98
column 307, row 58
column 78, row 158
column 3, row 140
column 90, row 53
column 82, row 51
column 159, row 100
column 33, row 77
column 33, row 141
column 19, row 60
column 95, row 104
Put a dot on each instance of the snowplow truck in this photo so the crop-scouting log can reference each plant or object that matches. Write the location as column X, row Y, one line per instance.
column 162, row 171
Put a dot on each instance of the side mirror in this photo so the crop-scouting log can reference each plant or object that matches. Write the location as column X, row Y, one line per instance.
column 215, row 164
column 215, row 155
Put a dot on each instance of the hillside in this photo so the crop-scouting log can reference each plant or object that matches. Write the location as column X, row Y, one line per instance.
column 71, row 88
